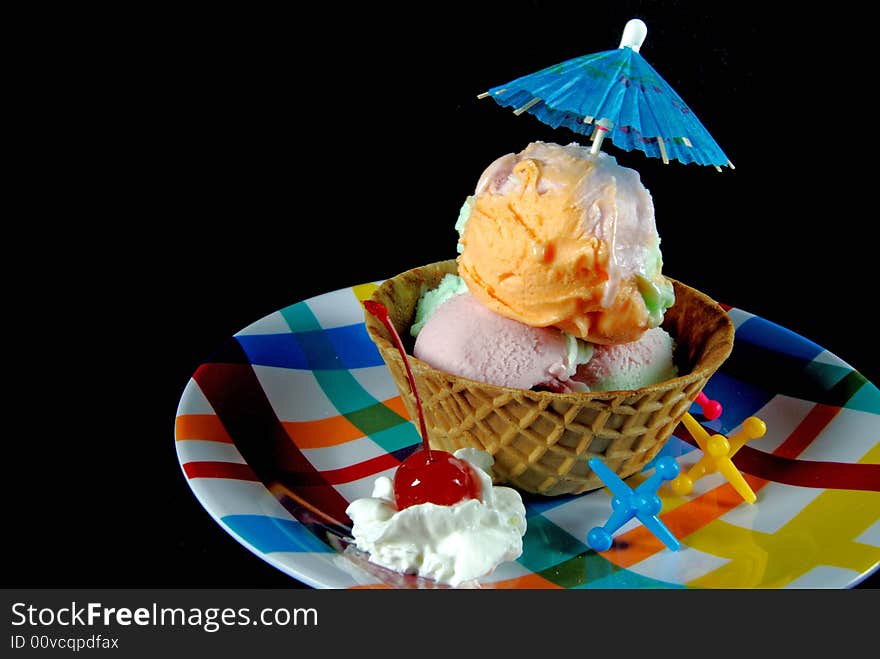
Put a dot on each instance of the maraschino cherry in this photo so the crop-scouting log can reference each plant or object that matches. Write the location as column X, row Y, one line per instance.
column 429, row 475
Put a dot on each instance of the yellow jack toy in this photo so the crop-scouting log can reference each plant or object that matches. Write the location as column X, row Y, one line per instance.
column 717, row 454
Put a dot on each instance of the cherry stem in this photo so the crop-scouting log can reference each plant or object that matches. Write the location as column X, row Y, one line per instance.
column 379, row 311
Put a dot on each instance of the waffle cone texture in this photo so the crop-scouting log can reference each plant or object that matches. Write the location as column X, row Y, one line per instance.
column 542, row 441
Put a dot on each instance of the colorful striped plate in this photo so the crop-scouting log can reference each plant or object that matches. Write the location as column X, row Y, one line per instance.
column 296, row 415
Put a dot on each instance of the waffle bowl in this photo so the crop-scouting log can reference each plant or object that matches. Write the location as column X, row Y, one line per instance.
column 542, row 441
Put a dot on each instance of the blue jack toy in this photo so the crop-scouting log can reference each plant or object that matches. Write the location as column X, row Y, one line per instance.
column 641, row 503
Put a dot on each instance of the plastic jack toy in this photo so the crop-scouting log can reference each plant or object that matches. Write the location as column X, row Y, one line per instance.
column 711, row 408
column 641, row 503
column 717, row 454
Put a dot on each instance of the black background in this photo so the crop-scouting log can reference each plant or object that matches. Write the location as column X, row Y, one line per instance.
column 186, row 174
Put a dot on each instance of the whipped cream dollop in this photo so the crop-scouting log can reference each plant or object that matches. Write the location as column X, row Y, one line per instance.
column 449, row 544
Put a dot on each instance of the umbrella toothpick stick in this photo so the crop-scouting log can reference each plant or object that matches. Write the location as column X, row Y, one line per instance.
column 634, row 33
column 602, row 127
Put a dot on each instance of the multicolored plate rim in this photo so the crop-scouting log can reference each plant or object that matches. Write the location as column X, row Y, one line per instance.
column 296, row 415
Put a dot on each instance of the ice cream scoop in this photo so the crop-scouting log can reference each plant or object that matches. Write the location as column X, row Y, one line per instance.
column 467, row 339
column 630, row 366
column 431, row 300
column 555, row 236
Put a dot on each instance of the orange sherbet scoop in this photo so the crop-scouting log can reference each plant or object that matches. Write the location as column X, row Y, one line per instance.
column 557, row 236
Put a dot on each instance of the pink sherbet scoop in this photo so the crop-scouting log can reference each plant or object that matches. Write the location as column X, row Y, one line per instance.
column 630, row 365
column 466, row 339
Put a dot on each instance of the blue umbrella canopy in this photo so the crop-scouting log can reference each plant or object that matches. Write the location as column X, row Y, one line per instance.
column 615, row 94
